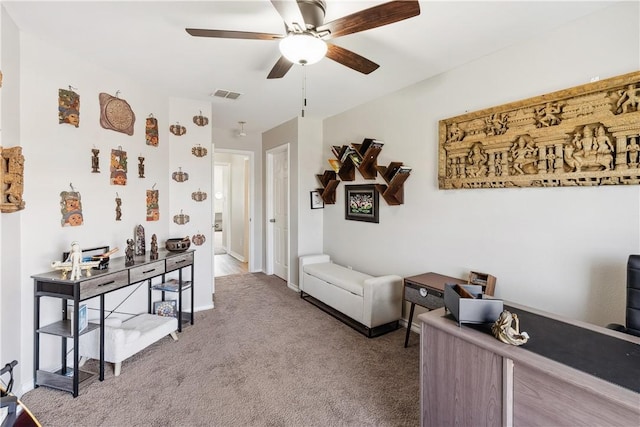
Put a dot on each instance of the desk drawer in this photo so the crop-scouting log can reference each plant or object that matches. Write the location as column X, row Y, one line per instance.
column 147, row 271
column 102, row 284
column 179, row 261
column 432, row 300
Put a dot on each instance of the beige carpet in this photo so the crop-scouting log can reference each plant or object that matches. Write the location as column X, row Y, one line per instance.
column 262, row 357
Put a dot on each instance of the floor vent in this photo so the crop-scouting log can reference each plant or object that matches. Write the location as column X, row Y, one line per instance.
column 226, row 94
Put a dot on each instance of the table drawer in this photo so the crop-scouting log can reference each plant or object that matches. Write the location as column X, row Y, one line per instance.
column 147, row 271
column 432, row 299
column 179, row 261
column 102, row 284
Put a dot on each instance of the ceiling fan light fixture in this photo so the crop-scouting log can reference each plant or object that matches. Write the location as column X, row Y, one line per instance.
column 242, row 132
column 303, row 48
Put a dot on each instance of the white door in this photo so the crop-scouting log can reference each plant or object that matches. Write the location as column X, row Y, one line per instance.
column 279, row 220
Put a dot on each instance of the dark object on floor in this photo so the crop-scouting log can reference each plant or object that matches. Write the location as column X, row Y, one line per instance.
column 632, row 318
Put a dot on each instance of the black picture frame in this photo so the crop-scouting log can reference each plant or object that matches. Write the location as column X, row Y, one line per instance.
column 361, row 203
column 167, row 308
column 316, row 200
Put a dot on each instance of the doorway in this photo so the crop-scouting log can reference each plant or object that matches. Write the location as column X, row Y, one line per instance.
column 231, row 210
column 278, row 212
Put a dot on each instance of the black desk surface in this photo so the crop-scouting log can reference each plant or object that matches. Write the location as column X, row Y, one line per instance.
column 603, row 356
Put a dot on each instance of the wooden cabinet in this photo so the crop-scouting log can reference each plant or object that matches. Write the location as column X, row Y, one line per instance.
column 570, row 373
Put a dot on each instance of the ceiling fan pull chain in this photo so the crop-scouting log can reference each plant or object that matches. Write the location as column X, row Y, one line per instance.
column 304, row 89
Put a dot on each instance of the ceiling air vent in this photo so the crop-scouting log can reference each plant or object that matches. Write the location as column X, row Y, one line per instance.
column 226, row 94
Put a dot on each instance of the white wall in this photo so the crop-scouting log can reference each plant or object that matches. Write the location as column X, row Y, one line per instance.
column 562, row 250
column 59, row 154
column 200, row 214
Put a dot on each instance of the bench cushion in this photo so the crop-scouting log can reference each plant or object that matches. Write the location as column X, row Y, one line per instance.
column 337, row 275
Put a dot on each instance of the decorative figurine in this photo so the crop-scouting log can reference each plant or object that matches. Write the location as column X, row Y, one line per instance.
column 128, row 257
column 154, row 247
column 118, row 208
column 141, row 167
column 75, row 256
column 95, row 161
column 140, row 241
column 502, row 329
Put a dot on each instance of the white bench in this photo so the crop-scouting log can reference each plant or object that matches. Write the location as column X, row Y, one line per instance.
column 372, row 305
column 123, row 339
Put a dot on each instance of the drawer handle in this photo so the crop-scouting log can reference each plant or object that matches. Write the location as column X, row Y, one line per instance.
column 148, row 271
column 107, row 283
column 423, row 292
column 181, row 261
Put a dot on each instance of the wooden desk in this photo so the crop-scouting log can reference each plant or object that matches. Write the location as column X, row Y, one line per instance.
column 570, row 373
column 426, row 290
column 101, row 282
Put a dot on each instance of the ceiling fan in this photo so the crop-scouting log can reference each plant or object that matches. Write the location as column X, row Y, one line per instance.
column 306, row 33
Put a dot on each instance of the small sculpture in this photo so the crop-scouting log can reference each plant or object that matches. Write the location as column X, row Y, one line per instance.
column 128, row 258
column 140, row 240
column 502, row 329
column 141, row 167
column 75, row 256
column 154, row 247
column 118, row 208
column 95, row 161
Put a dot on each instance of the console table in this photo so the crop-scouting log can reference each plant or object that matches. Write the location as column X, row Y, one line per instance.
column 116, row 276
column 569, row 373
column 426, row 290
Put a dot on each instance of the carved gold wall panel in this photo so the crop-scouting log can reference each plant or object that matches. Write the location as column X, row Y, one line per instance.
column 12, row 179
column 582, row 136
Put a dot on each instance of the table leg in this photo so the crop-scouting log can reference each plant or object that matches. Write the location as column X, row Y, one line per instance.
column 406, row 339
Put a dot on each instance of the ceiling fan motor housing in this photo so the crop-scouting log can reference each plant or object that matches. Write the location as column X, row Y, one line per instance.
column 313, row 12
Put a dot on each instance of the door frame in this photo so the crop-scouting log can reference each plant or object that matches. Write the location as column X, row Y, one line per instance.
column 269, row 256
column 251, row 265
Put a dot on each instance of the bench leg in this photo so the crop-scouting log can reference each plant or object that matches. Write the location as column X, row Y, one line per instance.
column 83, row 360
column 174, row 336
column 116, row 368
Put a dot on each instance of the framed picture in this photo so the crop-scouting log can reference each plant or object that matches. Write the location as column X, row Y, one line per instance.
column 316, row 200
column 166, row 308
column 361, row 203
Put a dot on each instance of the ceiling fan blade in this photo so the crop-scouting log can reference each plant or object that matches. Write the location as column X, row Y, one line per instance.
column 224, row 34
column 280, row 69
column 377, row 16
column 290, row 13
column 350, row 59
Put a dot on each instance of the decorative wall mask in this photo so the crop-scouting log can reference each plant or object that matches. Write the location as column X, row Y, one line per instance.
column 0, row 78
column 140, row 167
column 199, row 196
column 180, row 176
column 153, row 207
column 199, row 151
column 118, row 208
column 71, row 208
column 116, row 114
column 68, row 107
column 181, row 218
column 118, row 167
column 151, row 130
column 177, row 130
column 583, row 136
column 12, row 179
column 200, row 120
column 198, row 239
column 95, row 161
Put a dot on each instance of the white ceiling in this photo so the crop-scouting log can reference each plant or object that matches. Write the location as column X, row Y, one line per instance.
column 146, row 41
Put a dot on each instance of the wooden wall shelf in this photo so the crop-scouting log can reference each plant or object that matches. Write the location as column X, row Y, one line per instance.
column 394, row 175
column 329, row 183
column 364, row 158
